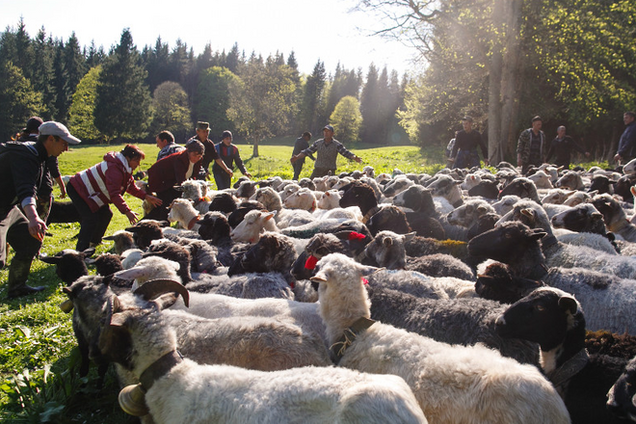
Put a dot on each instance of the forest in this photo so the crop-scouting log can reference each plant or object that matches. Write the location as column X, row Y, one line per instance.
column 573, row 62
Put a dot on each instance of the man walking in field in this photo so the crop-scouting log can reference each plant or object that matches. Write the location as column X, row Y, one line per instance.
column 21, row 173
column 326, row 149
column 301, row 144
column 210, row 155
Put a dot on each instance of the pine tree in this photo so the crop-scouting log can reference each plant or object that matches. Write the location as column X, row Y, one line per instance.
column 123, row 106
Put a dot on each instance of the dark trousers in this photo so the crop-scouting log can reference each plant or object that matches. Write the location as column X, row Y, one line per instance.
column 160, row 213
column 93, row 225
column 14, row 230
column 321, row 172
column 222, row 178
column 298, row 166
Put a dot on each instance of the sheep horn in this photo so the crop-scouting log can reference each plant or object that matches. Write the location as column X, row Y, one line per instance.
column 154, row 288
column 132, row 400
column 67, row 306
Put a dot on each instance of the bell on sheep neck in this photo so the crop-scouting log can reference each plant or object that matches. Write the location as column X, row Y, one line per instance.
column 132, row 400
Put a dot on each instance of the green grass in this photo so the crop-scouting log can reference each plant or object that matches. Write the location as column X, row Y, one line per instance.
column 37, row 346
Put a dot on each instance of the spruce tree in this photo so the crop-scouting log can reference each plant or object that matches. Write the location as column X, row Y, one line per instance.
column 123, row 105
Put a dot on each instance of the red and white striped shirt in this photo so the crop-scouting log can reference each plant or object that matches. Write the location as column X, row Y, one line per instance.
column 106, row 183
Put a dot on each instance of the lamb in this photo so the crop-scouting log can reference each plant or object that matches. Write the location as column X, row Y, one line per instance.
column 571, row 180
column 522, row 187
column 214, row 227
column 176, row 395
column 144, row 232
column 541, row 179
column 272, row 253
column 197, row 192
column 620, row 397
column 284, row 217
column 252, row 225
column 106, row 263
column 452, row 384
column 445, row 186
column 505, row 204
column 184, row 212
column 214, row 305
column 302, row 199
column 130, row 257
column 467, row 214
column 614, row 216
column 608, row 299
column 69, row 264
column 223, row 202
column 62, row 212
column 555, row 320
column 123, row 241
column 151, row 268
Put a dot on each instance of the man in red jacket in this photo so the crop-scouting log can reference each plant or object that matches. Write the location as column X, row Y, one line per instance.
column 171, row 171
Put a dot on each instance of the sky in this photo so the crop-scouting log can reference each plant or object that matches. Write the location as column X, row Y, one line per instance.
column 315, row 30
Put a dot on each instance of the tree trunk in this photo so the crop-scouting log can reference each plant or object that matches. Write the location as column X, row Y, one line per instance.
column 255, row 148
column 495, row 153
column 510, row 76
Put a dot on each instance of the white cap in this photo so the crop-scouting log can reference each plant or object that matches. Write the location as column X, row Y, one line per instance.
column 59, row 130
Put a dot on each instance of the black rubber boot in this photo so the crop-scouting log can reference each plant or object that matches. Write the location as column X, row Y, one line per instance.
column 18, row 274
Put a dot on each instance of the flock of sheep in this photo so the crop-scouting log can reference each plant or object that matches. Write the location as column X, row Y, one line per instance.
column 461, row 297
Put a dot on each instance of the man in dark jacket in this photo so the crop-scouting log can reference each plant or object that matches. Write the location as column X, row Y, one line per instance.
column 464, row 152
column 210, row 155
column 229, row 155
column 171, row 171
column 21, row 172
column 301, row 144
column 561, row 147
column 627, row 143
column 51, row 171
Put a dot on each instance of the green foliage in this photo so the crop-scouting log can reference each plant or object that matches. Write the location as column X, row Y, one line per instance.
column 81, row 121
column 123, row 106
column 18, row 100
column 212, row 98
column 346, row 119
column 171, row 111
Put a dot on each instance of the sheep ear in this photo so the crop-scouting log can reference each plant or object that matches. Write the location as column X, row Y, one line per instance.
column 409, row 236
column 387, row 242
column 130, row 274
column 110, row 238
column 88, row 252
column 367, row 270
column 89, row 261
column 568, row 303
column 268, row 216
column 537, row 233
column 49, row 259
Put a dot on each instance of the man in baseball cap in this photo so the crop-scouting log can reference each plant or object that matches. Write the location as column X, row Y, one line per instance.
column 21, row 172
column 58, row 130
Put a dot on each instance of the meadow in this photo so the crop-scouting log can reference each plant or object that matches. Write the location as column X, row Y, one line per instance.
column 38, row 382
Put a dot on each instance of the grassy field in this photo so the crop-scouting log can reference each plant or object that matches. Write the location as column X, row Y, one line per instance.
column 37, row 346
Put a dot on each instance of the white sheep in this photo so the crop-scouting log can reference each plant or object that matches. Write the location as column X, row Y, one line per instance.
column 188, row 392
column 150, row 268
column 130, row 257
column 302, row 199
column 541, row 179
column 184, row 212
column 453, row 384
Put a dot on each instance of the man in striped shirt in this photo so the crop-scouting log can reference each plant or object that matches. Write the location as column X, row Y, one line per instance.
column 93, row 189
column 326, row 149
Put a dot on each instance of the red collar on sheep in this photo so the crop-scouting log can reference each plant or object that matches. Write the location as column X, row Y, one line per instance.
column 356, row 236
column 193, row 221
column 338, row 348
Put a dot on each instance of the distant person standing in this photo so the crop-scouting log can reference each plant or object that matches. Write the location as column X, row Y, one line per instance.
column 530, row 145
column 210, row 155
column 326, row 149
column 301, row 144
column 171, row 171
column 229, row 155
column 464, row 153
column 562, row 147
column 627, row 143
column 165, row 142
column 21, row 171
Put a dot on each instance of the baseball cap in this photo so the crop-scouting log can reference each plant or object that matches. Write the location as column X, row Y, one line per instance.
column 33, row 124
column 328, row 127
column 59, row 130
